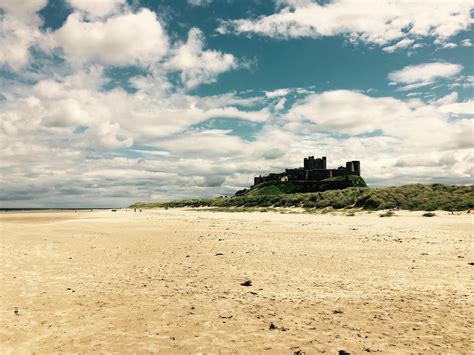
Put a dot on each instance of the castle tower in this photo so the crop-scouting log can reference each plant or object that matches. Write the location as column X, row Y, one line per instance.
column 318, row 163
column 350, row 167
column 309, row 163
column 356, row 165
column 323, row 163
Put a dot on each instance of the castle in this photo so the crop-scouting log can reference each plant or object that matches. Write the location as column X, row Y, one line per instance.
column 312, row 171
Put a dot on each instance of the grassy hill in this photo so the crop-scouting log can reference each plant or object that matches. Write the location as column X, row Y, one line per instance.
column 410, row 197
column 271, row 188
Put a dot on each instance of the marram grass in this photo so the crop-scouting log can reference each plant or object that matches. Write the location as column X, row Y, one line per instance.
column 416, row 197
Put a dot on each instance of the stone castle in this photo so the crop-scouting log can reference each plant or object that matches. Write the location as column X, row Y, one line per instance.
column 312, row 171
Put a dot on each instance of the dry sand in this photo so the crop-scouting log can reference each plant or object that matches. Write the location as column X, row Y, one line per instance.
column 169, row 281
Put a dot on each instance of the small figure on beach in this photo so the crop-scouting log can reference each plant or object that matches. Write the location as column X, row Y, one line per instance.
column 134, row 210
column 469, row 210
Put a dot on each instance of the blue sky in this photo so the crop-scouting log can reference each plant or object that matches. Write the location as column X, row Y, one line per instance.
column 104, row 103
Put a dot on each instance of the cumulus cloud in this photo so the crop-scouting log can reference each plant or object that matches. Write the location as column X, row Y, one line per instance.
column 125, row 39
column 459, row 108
column 42, row 163
column 22, row 9
column 16, row 38
column 420, row 75
column 76, row 107
column 379, row 22
column 96, row 9
column 59, row 137
column 18, row 31
column 416, row 124
column 209, row 143
column 197, row 65
column 110, row 34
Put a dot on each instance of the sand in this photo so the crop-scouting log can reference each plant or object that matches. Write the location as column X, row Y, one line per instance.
column 169, row 281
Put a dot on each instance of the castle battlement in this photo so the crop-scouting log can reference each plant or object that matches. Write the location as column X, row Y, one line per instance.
column 312, row 170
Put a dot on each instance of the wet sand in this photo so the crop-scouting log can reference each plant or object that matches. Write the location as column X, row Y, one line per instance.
column 169, row 281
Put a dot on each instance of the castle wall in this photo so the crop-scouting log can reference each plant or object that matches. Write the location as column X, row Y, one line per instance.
column 313, row 170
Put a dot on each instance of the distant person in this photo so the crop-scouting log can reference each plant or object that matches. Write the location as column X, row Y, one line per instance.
column 140, row 209
column 134, row 210
column 469, row 210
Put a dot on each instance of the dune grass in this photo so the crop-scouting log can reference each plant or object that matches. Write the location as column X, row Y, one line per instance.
column 415, row 197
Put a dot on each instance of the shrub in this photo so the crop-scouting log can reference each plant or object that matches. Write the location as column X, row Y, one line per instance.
column 387, row 214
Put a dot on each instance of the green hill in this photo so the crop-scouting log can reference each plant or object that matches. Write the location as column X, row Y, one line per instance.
column 409, row 197
column 271, row 188
column 355, row 179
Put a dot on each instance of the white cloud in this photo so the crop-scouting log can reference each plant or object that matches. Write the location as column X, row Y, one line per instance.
column 443, row 44
column 466, row 43
column 197, row 65
column 66, row 130
column 16, row 37
column 208, row 143
column 97, row 8
column 377, row 21
column 415, row 85
column 112, row 118
column 277, row 93
column 459, row 108
column 125, row 39
column 463, row 81
column 449, row 45
column 199, row 2
column 63, row 138
column 22, row 9
column 415, row 124
column 280, row 105
column 18, row 31
column 448, row 99
column 230, row 99
column 404, row 43
column 44, row 164
column 416, row 76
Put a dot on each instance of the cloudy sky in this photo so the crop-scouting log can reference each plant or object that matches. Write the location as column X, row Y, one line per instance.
column 109, row 102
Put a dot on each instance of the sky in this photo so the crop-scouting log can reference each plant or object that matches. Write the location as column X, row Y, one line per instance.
column 106, row 103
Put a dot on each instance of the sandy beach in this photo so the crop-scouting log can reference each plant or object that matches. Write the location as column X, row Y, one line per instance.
column 169, row 281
